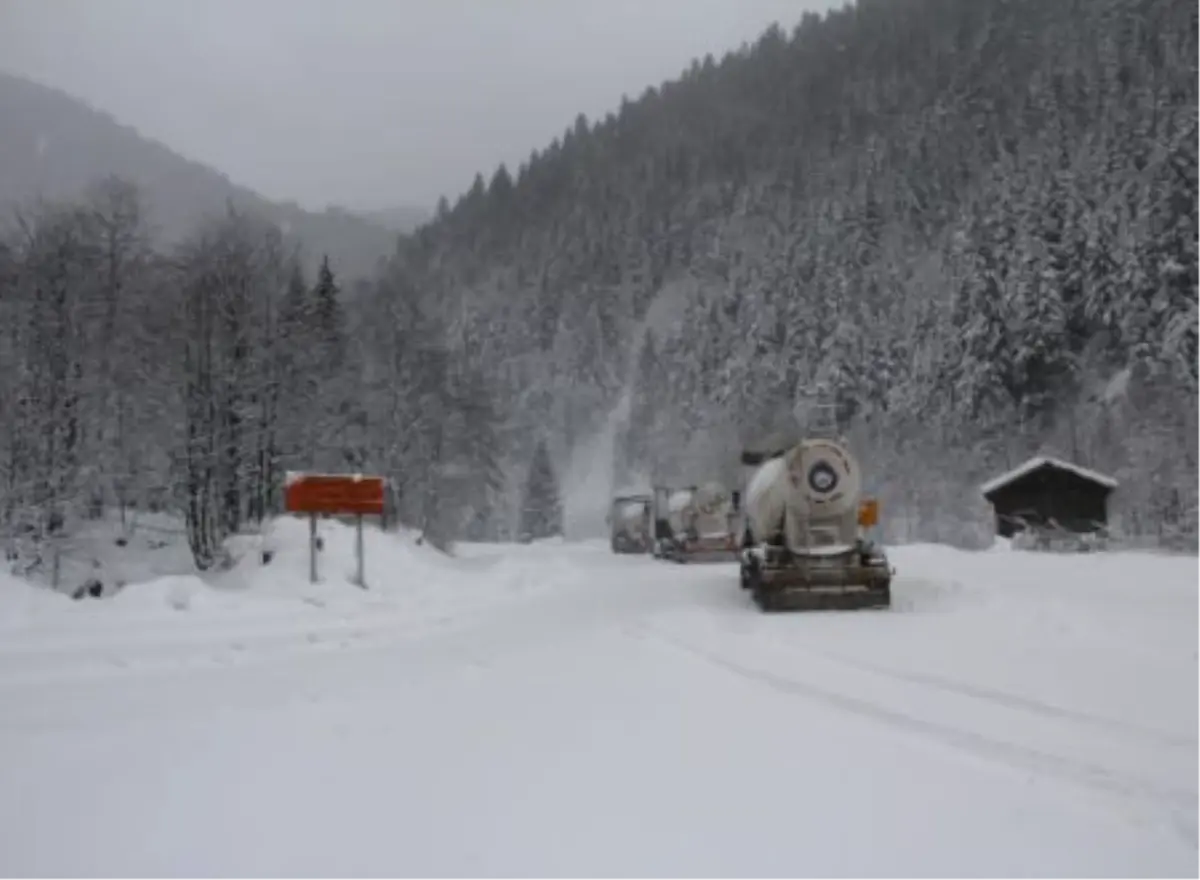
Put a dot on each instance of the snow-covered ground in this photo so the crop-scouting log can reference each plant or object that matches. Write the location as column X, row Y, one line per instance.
column 556, row 710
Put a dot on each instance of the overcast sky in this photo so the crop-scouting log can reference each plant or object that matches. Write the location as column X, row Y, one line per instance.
column 366, row 103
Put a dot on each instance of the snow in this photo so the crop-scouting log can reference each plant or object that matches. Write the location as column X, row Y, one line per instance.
column 1039, row 461
column 587, row 478
column 1118, row 386
column 291, row 477
column 21, row 602
column 143, row 547
column 555, row 709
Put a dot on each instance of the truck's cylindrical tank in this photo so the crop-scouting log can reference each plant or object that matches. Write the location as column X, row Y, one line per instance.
column 703, row 510
column 810, row 494
column 710, row 509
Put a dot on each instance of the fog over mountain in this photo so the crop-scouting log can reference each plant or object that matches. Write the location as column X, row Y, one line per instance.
column 366, row 104
column 55, row 146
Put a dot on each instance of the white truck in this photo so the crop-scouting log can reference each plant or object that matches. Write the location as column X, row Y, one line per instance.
column 804, row 544
column 696, row 523
column 630, row 523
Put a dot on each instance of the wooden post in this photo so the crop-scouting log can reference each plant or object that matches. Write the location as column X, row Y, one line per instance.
column 312, row 548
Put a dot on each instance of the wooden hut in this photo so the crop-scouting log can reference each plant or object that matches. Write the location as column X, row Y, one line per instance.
column 1049, row 495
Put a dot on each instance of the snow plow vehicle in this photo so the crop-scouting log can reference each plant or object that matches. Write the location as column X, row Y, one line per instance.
column 804, row 544
column 629, row 522
column 696, row 524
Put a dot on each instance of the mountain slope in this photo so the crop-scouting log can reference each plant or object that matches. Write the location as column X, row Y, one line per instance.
column 961, row 218
column 53, row 146
column 402, row 219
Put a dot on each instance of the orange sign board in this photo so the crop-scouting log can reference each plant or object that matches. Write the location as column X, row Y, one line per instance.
column 334, row 493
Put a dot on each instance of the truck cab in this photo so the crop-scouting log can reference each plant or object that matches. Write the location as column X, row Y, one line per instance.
column 630, row 523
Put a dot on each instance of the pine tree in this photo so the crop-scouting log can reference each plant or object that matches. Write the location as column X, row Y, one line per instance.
column 541, row 511
column 329, row 319
column 295, row 313
column 336, row 370
column 299, row 382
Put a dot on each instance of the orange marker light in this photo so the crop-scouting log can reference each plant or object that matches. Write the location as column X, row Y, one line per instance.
column 868, row 512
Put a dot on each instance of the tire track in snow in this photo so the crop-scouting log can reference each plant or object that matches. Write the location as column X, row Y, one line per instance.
column 1015, row 701
column 753, row 626
column 220, row 646
column 1179, row 803
column 118, row 643
column 318, row 672
column 218, row 643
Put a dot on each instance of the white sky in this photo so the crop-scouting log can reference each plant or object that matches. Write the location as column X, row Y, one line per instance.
column 367, row 103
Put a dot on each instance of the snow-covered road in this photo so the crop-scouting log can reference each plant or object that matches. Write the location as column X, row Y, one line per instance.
column 556, row 710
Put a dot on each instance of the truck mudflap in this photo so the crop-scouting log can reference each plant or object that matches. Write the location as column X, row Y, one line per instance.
column 622, row 543
column 782, row 581
column 705, row 549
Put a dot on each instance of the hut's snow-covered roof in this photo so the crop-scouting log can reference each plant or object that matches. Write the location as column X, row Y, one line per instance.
column 1041, row 461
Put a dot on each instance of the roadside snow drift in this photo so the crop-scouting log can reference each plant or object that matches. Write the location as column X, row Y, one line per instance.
column 555, row 709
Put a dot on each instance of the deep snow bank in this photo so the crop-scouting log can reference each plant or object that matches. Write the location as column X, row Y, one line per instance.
column 22, row 602
column 404, row 577
column 259, row 614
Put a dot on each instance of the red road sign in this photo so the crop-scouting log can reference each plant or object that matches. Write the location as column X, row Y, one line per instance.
column 334, row 494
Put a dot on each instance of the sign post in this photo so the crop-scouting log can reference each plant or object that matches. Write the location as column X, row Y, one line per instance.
column 360, row 577
column 334, row 494
column 312, row 548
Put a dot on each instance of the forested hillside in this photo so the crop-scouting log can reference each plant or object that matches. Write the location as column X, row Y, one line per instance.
column 190, row 379
column 973, row 222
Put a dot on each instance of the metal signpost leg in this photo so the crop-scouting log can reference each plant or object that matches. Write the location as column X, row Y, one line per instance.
column 312, row 548
column 360, row 579
column 338, row 495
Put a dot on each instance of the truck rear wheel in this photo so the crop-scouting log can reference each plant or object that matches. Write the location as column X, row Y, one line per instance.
column 746, row 575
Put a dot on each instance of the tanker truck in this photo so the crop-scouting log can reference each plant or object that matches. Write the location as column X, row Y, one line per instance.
column 629, row 521
column 696, row 523
column 804, row 544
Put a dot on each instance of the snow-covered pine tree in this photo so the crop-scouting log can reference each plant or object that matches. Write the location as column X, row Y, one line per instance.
column 329, row 319
column 541, row 509
column 339, row 440
column 298, row 382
